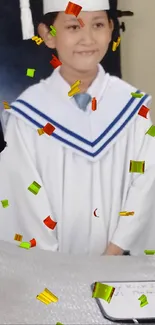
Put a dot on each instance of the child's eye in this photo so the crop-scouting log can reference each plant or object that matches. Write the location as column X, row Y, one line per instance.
column 99, row 25
column 74, row 27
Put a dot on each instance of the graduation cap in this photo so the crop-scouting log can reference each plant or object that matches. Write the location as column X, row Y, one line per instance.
column 54, row 6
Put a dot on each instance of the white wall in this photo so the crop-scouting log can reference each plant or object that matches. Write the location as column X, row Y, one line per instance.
column 138, row 46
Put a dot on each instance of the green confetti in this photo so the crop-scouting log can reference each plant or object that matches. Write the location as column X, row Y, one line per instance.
column 53, row 31
column 5, row 203
column 30, row 72
column 34, row 188
column 143, row 300
column 149, row 252
column 137, row 166
column 59, row 323
column 25, row 245
column 103, row 291
column 137, row 95
column 151, row 131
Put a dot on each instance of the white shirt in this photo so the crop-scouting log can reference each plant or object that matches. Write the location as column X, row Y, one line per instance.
column 82, row 166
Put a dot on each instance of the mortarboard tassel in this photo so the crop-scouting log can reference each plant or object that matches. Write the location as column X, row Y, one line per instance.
column 26, row 20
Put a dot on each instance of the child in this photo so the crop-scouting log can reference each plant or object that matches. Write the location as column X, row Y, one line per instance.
column 83, row 167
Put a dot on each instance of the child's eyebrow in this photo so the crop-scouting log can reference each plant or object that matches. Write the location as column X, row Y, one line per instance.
column 75, row 19
column 71, row 19
column 98, row 17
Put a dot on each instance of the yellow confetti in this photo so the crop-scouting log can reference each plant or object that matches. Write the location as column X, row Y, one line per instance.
column 126, row 213
column 114, row 46
column 118, row 41
column 18, row 237
column 47, row 297
column 37, row 39
column 74, row 91
column 40, row 131
column 6, row 105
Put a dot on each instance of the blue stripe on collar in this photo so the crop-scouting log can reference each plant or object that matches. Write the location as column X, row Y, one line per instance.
column 93, row 155
column 76, row 136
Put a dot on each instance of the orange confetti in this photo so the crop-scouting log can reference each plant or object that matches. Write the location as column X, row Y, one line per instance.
column 94, row 104
column 73, row 9
column 48, row 128
column 143, row 111
column 33, row 242
column 18, row 237
column 50, row 223
column 81, row 22
column 55, row 62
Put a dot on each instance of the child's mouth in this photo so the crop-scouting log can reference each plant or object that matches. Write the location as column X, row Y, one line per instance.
column 86, row 53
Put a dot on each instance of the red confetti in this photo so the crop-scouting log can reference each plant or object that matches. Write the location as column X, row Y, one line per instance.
column 48, row 128
column 33, row 242
column 73, row 9
column 50, row 223
column 94, row 104
column 81, row 22
column 143, row 111
column 55, row 62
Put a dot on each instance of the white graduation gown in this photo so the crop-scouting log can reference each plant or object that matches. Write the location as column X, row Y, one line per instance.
column 82, row 166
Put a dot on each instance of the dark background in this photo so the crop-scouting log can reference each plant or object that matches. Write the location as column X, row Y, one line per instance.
column 17, row 55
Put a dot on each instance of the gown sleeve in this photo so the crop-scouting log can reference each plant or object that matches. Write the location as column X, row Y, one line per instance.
column 26, row 211
column 137, row 233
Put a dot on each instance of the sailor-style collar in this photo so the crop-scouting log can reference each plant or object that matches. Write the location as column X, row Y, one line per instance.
column 89, row 133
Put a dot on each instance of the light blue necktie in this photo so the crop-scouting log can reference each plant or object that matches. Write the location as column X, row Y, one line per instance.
column 82, row 100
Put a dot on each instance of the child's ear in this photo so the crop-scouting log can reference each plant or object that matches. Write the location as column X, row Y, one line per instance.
column 44, row 33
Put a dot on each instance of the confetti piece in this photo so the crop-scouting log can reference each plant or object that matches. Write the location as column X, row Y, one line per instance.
column 30, row 72
column 5, row 203
column 137, row 166
column 55, row 62
column 53, row 31
column 103, row 291
column 137, row 95
column 143, row 111
column 74, row 91
column 143, row 301
column 76, row 83
column 25, row 245
column 151, row 131
column 114, row 46
column 118, row 41
column 59, row 323
column 47, row 297
column 6, row 105
column 50, row 223
column 40, row 131
column 34, row 188
column 73, row 9
column 37, row 39
column 18, row 237
column 149, row 252
column 81, row 22
column 42, row 298
column 48, row 128
column 126, row 213
column 50, row 295
column 94, row 104
column 95, row 213
column 33, row 242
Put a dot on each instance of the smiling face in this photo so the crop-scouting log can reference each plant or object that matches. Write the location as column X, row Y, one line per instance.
column 80, row 48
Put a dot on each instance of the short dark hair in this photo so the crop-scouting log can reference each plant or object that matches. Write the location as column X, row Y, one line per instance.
column 49, row 18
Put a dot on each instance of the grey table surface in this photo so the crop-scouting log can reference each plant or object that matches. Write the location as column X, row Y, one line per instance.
column 26, row 273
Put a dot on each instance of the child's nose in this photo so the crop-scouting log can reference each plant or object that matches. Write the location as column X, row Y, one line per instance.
column 87, row 36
